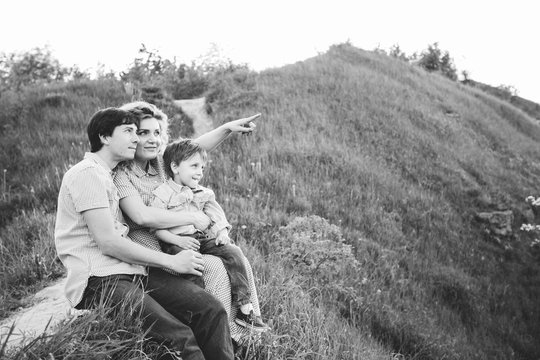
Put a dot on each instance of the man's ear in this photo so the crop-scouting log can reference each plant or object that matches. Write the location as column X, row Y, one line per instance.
column 104, row 139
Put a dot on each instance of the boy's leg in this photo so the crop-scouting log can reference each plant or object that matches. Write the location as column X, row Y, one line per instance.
column 203, row 313
column 169, row 248
column 175, row 249
column 127, row 290
column 233, row 260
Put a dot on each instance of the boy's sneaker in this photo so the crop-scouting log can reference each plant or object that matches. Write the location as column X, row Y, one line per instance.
column 251, row 321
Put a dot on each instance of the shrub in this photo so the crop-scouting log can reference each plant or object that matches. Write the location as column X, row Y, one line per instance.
column 435, row 60
column 30, row 67
column 317, row 252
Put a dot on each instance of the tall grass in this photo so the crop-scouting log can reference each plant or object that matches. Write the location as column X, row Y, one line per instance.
column 399, row 160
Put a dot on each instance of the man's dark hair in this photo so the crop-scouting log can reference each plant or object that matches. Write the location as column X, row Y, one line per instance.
column 103, row 123
column 179, row 151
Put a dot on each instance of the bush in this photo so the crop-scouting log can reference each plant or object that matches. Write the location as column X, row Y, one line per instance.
column 31, row 67
column 317, row 252
column 435, row 60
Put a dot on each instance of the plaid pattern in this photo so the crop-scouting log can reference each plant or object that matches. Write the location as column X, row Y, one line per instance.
column 134, row 181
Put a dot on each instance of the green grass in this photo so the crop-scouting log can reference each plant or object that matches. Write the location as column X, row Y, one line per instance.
column 399, row 160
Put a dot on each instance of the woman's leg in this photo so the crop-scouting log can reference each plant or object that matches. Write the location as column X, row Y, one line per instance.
column 217, row 283
column 252, row 289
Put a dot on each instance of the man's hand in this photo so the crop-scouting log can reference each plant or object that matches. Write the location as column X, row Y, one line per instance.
column 187, row 262
column 223, row 238
column 245, row 125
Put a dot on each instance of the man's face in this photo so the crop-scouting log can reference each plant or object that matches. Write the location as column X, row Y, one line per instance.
column 123, row 142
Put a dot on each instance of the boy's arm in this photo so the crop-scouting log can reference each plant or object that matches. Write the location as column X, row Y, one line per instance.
column 217, row 216
column 213, row 138
column 101, row 228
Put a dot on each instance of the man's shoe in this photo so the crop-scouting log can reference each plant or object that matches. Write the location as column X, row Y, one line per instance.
column 251, row 321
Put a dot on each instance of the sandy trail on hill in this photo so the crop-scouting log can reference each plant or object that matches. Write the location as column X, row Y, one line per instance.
column 49, row 305
column 196, row 110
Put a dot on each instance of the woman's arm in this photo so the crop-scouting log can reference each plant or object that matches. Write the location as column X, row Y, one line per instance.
column 152, row 217
column 213, row 138
column 101, row 227
column 185, row 242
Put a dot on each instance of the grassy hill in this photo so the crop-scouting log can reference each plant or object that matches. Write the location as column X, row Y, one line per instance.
column 357, row 201
column 529, row 107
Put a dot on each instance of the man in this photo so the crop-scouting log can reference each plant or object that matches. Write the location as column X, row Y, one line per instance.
column 92, row 243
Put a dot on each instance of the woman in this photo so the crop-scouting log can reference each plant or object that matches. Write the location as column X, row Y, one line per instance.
column 137, row 180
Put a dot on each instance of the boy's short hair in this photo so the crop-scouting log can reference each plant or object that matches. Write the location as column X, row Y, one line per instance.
column 179, row 151
column 103, row 123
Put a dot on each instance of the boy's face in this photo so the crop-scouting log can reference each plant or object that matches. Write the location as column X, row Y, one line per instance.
column 189, row 172
column 122, row 144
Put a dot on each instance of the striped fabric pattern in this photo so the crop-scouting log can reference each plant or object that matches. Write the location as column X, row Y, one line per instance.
column 87, row 185
column 134, row 181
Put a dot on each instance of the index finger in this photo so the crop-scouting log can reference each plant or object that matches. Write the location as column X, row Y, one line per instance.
column 253, row 117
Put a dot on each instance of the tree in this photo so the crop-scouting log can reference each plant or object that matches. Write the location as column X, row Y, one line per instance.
column 37, row 65
column 395, row 51
column 435, row 60
column 507, row 91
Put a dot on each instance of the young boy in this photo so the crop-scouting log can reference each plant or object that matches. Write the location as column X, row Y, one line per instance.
column 184, row 163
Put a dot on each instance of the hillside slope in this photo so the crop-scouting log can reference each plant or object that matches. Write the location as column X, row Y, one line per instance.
column 401, row 161
column 404, row 161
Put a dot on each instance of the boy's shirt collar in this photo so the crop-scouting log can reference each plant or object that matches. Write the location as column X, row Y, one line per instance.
column 179, row 188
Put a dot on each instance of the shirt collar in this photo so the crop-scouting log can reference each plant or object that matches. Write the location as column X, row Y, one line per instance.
column 140, row 172
column 97, row 159
column 179, row 188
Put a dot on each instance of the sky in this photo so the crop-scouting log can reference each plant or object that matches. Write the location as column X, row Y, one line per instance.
column 495, row 41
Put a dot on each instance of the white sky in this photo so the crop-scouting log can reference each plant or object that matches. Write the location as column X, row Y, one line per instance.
column 495, row 41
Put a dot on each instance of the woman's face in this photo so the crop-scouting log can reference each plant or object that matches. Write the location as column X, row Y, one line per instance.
column 149, row 140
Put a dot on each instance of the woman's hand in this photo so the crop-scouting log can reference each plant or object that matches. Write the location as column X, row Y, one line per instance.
column 212, row 139
column 244, row 126
column 187, row 242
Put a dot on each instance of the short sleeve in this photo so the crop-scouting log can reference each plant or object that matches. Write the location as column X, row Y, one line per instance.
column 124, row 185
column 88, row 190
column 215, row 212
column 158, row 203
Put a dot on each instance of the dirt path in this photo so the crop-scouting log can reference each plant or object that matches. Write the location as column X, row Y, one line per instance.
column 50, row 305
column 196, row 110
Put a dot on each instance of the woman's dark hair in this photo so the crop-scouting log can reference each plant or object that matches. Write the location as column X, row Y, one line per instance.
column 179, row 151
column 103, row 123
